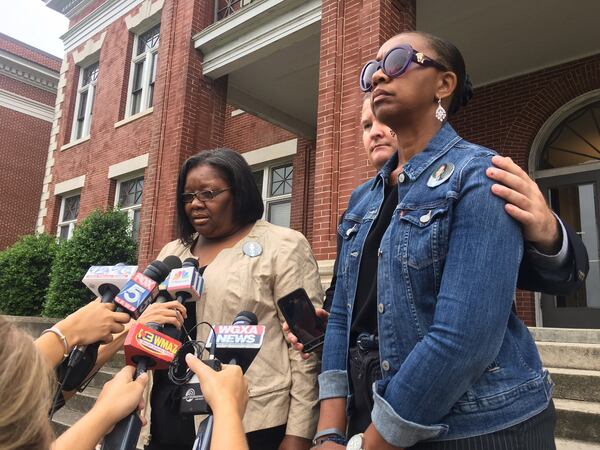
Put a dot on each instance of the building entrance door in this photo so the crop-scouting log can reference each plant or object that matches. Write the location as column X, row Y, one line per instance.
column 576, row 199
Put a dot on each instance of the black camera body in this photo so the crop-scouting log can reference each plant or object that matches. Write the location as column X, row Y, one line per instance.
column 192, row 399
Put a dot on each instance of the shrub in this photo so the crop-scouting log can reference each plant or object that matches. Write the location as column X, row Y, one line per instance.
column 24, row 274
column 102, row 238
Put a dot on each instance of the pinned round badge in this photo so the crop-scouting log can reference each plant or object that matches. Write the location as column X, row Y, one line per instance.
column 441, row 174
column 252, row 249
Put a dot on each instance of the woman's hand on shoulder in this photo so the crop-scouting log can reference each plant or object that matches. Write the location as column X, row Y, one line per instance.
column 526, row 204
column 172, row 313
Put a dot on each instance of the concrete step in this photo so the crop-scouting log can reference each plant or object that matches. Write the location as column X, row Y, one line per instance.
column 570, row 355
column 65, row 418
column 83, row 401
column 574, row 384
column 104, row 375
column 578, row 420
column 571, row 335
column 569, row 444
column 117, row 361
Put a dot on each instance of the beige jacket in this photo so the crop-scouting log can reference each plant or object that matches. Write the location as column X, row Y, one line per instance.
column 283, row 387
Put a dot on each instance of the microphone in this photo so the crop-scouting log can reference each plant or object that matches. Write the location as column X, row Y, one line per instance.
column 105, row 282
column 237, row 343
column 142, row 288
column 186, row 285
column 144, row 347
column 163, row 294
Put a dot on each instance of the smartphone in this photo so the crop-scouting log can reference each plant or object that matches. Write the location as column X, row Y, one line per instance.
column 302, row 319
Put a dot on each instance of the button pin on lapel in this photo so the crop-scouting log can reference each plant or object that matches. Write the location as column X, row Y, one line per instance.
column 352, row 230
column 425, row 217
column 440, row 174
column 252, row 249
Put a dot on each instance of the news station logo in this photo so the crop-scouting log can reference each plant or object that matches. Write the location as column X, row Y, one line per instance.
column 108, row 272
column 157, row 344
column 181, row 275
column 138, row 291
column 238, row 336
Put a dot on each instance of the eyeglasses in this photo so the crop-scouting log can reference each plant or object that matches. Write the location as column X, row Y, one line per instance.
column 203, row 196
column 394, row 63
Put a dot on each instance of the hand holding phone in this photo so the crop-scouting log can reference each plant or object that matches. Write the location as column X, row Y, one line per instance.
column 302, row 319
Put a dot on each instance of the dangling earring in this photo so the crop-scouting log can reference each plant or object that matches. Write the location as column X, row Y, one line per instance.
column 440, row 112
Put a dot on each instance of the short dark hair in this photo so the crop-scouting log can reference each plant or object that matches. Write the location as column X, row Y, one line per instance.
column 450, row 56
column 247, row 200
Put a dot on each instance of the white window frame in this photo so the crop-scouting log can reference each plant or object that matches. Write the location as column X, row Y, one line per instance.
column 90, row 89
column 68, row 223
column 147, row 57
column 266, row 184
column 129, row 210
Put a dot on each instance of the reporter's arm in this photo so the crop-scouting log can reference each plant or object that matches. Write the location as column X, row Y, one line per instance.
column 118, row 398
column 227, row 394
column 92, row 323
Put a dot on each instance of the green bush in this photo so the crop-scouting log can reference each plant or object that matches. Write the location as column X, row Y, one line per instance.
column 24, row 274
column 102, row 238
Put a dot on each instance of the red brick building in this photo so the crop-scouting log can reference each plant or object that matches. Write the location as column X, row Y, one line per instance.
column 28, row 82
column 277, row 81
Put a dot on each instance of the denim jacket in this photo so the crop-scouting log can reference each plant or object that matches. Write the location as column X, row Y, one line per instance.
column 456, row 362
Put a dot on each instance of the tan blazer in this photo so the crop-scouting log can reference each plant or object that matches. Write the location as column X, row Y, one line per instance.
column 283, row 387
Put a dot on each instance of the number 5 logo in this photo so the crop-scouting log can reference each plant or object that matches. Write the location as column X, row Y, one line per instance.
column 134, row 293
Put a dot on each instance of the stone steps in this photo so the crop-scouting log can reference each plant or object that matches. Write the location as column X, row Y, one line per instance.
column 570, row 355
column 574, row 384
column 578, row 420
column 569, row 444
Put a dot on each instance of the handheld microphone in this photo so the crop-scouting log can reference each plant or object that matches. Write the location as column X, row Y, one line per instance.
column 238, row 344
column 141, row 289
column 163, row 294
column 105, row 282
column 135, row 297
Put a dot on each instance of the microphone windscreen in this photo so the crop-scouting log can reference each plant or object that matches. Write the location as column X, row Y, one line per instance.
column 246, row 317
column 157, row 271
column 190, row 262
column 173, row 262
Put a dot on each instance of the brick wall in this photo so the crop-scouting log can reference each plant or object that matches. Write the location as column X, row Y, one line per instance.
column 246, row 132
column 351, row 33
column 23, row 154
column 29, row 53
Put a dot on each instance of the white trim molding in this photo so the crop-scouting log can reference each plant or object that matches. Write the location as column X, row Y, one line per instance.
column 90, row 52
column 248, row 35
column 27, row 106
column 28, row 72
column 97, row 21
column 74, row 184
column 68, row 8
column 271, row 152
column 132, row 165
column 146, row 17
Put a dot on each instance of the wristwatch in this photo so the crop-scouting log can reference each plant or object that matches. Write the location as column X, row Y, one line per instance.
column 356, row 442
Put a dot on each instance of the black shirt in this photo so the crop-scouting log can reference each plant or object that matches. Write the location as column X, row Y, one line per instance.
column 169, row 429
column 364, row 315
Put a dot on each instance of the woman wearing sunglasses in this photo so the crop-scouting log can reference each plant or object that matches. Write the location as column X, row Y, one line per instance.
column 247, row 265
column 459, row 370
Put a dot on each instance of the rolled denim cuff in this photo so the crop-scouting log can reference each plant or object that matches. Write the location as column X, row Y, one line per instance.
column 397, row 431
column 333, row 384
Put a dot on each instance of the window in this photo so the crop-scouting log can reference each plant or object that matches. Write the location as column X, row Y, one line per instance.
column 85, row 101
column 143, row 71
column 69, row 209
column 129, row 199
column 275, row 184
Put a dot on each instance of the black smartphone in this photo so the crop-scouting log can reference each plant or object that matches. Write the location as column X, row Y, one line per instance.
column 302, row 319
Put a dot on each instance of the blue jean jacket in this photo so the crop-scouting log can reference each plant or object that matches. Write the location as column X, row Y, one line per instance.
column 455, row 360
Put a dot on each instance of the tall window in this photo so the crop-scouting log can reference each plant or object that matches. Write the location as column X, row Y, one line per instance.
column 275, row 184
column 129, row 199
column 69, row 209
column 85, row 101
column 143, row 70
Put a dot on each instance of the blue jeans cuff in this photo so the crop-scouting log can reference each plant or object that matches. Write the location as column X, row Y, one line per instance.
column 398, row 431
column 333, row 384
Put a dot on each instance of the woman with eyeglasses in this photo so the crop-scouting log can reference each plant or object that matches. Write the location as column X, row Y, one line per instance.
column 459, row 369
column 247, row 265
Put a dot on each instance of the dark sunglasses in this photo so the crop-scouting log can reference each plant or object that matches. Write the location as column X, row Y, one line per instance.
column 203, row 196
column 394, row 63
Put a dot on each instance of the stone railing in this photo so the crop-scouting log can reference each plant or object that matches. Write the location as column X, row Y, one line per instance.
column 225, row 8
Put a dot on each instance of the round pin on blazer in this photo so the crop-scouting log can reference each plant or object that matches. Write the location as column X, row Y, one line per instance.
column 440, row 174
column 252, row 249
